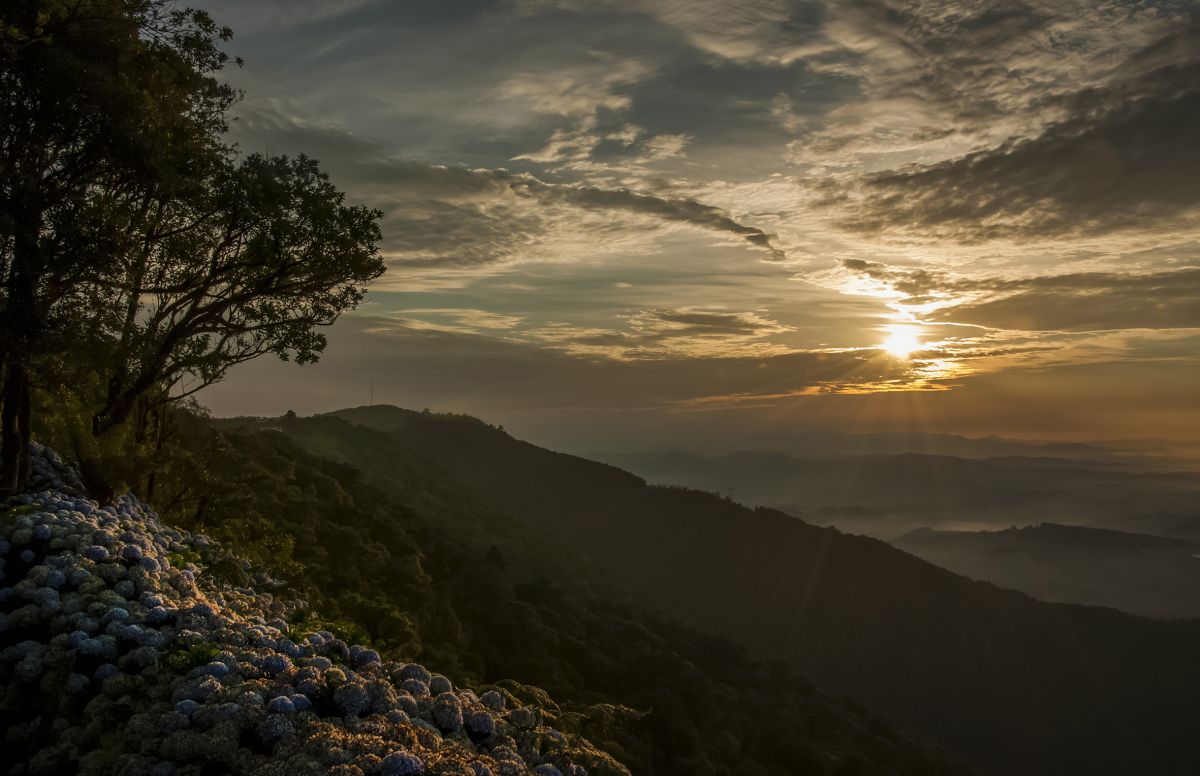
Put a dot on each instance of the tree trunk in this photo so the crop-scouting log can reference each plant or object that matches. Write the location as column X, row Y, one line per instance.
column 21, row 329
column 14, row 429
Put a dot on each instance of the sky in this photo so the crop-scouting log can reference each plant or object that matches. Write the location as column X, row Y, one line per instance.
column 659, row 223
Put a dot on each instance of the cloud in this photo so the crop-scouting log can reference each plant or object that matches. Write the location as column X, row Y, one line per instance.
column 764, row 32
column 1120, row 158
column 672, row 333
column 1088, row 302
column 1076, row 302
column 577, row 190
column 678, row 210
column 440, row 215
column 458, row 319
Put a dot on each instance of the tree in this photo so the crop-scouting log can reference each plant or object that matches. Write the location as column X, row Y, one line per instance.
column 135, row 245
column 269, row 253
column 105, row 105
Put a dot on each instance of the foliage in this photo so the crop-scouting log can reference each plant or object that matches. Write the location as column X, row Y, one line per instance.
column 411, row 568
column 1007, row 681
column 105, row 105
column 268, row 253
column 136, row 250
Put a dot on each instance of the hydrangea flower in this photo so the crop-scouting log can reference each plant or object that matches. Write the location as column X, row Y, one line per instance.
column 401, row 764
column 415, row 687
column 447, row 712
column 416, row 671
column 276, row 665
column 276, row 727
column 127, row 616
column 352, row 698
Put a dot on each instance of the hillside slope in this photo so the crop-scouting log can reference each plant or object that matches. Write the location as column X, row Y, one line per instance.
column 123, row 652
column 1149, row 575
column 1023, row 686
column 423, row 571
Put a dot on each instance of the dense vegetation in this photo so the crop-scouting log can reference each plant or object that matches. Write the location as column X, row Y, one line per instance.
column 422, row 570
column 1012, row 683
column 140, row 254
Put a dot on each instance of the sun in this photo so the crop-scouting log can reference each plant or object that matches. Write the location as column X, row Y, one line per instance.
column 902, row 340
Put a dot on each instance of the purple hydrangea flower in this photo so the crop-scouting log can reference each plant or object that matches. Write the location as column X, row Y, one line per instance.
column 401, row 764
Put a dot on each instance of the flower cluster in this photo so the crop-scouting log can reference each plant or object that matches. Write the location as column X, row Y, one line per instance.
column 119, row 655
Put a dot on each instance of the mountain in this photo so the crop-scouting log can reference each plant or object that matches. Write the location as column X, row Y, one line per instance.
column 887, row 496
column 1022, row 686
column 1149, row 575
column 132, row 655
column 1146, row 453
column 397, row 554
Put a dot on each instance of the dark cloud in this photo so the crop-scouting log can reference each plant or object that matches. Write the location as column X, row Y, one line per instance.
column 727, row 323
column 676, row 333
column 1088, row 302
column 686, row 211
column 455, row 216
column 1124, row 158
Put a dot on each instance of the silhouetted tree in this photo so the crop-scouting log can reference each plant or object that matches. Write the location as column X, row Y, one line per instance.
column 105, row 107
column 268, row 254
column 134, row 245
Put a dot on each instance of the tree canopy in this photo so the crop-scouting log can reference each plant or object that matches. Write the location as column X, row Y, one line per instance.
column 135, row 243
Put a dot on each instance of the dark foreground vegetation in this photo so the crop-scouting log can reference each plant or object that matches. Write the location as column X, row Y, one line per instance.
column 423, row 570
column 1011, row 683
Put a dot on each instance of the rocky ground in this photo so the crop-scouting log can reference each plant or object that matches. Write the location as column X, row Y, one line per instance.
column 121, row 654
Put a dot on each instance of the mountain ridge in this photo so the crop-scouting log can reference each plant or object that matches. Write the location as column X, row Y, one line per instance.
column 784, row 587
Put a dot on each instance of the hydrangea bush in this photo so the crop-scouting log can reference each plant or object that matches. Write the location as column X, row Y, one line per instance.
column 118, row 656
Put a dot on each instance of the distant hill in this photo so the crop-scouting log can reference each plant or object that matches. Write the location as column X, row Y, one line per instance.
column 1150, row 575
column 1022, row 686
column 888, row 495
column 390, row 547
column 1149, row 453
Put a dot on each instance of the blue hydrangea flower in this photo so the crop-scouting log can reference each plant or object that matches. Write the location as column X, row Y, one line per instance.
column 447, row 712
column 365, row 657
column 281, row 705
column 415, row 687
column 353, row 698
column 215, row 668
column 276, row 727
column 416, row 671
column 401, row 764
column 480, row 723
column 276, row 665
